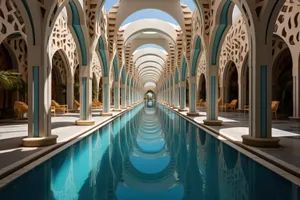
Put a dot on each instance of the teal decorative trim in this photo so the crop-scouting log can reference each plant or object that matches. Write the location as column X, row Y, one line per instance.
column 193, row 91
column 105, row 98
column 84, row 98
column 176, row 76
column 263, row 101
column 36, row 101
column 30, row 19
column 197, row 5
column 101, row 50
column 116, row 68
column 184, row 66
column 196, row 56
column 221, row 29
column 123, row 75
column 213, row 98
column 79, row 33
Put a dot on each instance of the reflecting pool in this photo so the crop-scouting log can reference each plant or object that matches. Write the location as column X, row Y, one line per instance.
column 150, row 153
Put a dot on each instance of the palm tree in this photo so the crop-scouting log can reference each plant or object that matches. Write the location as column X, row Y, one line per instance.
column 10, row 79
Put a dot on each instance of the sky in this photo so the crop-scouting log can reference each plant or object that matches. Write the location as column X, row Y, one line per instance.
column 152, row 13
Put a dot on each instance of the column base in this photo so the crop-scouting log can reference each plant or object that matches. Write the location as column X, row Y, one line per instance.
column 182, row 110
column 213, row 122
column 129, row 106
column 117, row 110
column 192, row 114
column 124, row 107
column 39, row 141
column 85, row 122
column 261, row 142
column 297, row 119
column 106, row 114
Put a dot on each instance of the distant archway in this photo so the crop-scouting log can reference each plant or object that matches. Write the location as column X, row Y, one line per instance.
column 231, row 82
column 282, row 80
column 202, row 87
column 59, row 78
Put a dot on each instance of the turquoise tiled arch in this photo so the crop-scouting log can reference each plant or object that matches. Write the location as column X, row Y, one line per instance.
column 196, row 56
column 220, row 31
column 116, row 69
column 184, row 66
column 123, row 75
column 176, row 76
column 101, row 50
column 79, row 33
column 30, row 19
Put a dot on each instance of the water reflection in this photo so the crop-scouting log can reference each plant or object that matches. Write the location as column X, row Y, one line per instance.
column 150, row 153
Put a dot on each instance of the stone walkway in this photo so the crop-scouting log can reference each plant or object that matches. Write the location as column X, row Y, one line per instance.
column 235, row 124
column 12, row 154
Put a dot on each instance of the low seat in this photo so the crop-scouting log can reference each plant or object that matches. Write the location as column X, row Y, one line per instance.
column 76, row 105
column 20, row 108
column 53, row 110
column 275, row 105
column 58, row 107
column 96, row 104
column 199, row 102
column 229, row 106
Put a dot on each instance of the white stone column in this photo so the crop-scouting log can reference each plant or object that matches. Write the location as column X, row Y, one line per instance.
column 123, row 96
column 183, row 97
column 106, row 97
column 192, row 97
column 85, row 82
column 212, row 97
column 296, row 85
column 117, row 96
column 39, row 98
column 260, row 97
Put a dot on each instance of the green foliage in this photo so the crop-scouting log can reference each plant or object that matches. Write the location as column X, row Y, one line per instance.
column 10, row 80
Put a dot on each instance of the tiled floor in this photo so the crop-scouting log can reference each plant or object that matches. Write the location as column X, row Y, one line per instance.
column 11, row 134
column 235, row 124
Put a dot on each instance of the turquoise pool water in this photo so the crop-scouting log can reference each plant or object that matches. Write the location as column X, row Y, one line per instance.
column 150, row 153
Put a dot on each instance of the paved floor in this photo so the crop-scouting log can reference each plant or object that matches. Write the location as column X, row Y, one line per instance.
column 236, row 124
column 12, row 132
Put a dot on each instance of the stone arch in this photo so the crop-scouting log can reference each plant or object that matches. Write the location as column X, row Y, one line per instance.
column 60, row 72
column 230, row 82
column 11, row 20
column 202, row 87
column 197, row 50
column 61, row 38
column 282, row 82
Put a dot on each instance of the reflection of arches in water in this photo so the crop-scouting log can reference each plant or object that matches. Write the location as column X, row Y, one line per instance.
column 282, row 79
column 231, row 82
column 230, row 156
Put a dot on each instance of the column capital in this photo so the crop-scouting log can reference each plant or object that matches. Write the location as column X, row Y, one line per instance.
column 105, row 79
